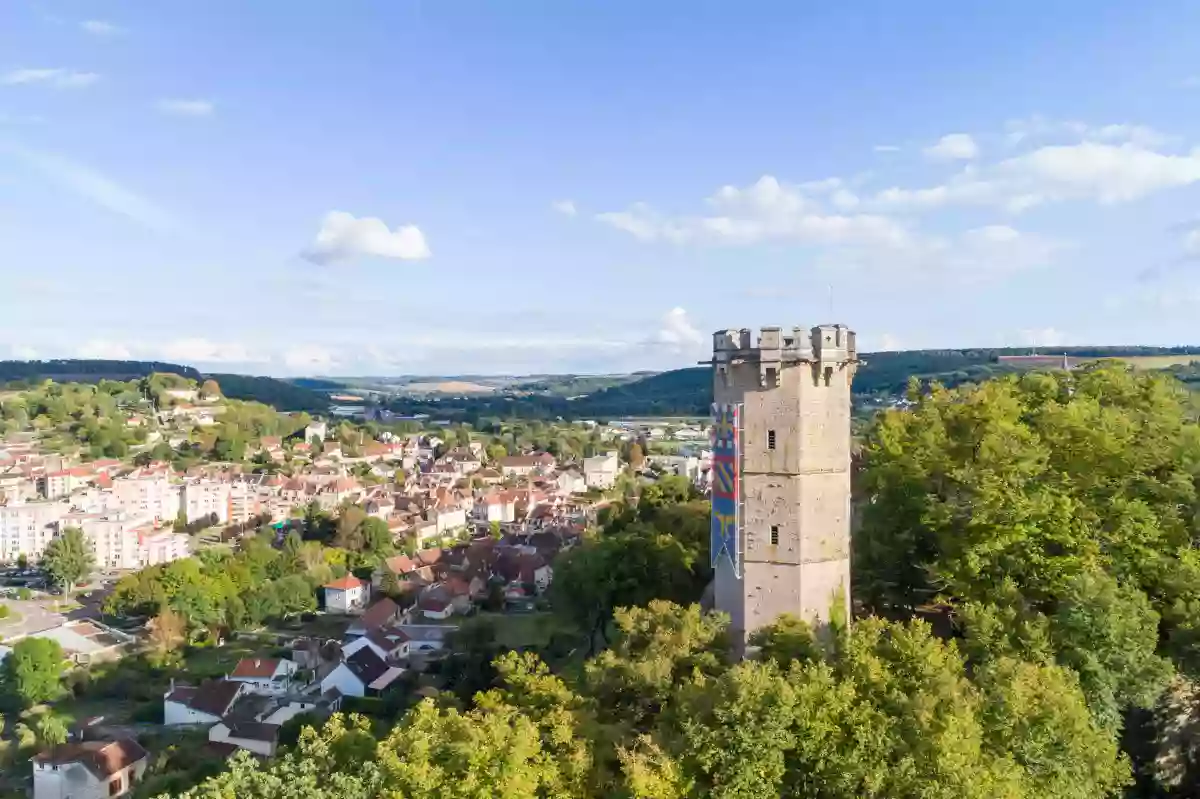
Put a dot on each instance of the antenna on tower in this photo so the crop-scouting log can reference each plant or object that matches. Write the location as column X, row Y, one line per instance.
column 830, row 301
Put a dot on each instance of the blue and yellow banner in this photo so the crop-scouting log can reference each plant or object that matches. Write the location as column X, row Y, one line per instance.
column 726, row 490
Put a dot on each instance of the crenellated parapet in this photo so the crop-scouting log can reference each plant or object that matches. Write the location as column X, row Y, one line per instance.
column 829, row 349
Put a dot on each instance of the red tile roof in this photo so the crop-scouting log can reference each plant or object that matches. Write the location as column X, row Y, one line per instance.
column 255, row 667
column 345, row 583
column 102, row 758
column 378, row 614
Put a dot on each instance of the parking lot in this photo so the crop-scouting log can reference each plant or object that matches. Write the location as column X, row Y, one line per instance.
column 45, row 610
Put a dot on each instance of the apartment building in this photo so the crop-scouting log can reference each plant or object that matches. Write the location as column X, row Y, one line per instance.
column 200, row 498
column 148, row 493
column 26, row 528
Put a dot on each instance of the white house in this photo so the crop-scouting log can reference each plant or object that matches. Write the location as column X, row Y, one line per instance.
column 347, row 595
column 360, row 674
column 571, row 481
column 253, row 736
column 316, row 429
column 89, row 769
column 264, row 676
column 388, row 643
column 602, row 470
column 204, row 704
column 425, row 638
column 496, row 507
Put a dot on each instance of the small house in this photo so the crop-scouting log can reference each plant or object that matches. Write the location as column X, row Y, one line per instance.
column 347, row 595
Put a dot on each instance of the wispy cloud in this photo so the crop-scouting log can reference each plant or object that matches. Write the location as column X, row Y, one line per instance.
column 100, row 27
column 886, row 148
column 187, row 108
column 56, row 77
column 565, row 207
column 95, row 187
column 953, row 147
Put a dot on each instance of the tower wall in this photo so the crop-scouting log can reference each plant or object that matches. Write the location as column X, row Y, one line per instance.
column 795, row 383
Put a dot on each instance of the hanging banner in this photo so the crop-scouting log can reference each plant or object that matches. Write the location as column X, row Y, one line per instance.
column 726, row 488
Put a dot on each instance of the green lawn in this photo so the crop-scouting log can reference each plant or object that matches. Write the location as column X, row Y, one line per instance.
column 216, row 661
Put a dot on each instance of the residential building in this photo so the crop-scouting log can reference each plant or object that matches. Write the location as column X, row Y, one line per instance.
column 264, row 676
column 257, row 737
column 347, row 595
column 89, row 769
column 518, row 465
column 207, row 703
column 209, row 498
column 601, row 471
column 26, row 528
column 383, row 612
column 363, row 673
column 148, row 492
column 316, row 429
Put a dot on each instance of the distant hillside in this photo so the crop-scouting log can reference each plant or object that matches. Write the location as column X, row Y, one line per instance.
column 575, row 385
column 279, row 394
column 316, row 384
column 88, row 371
column 688, row 392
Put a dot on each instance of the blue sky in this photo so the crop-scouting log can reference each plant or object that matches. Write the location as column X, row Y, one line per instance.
column 393, row 187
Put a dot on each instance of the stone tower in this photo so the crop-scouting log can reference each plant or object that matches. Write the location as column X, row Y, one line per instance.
column 781, row 474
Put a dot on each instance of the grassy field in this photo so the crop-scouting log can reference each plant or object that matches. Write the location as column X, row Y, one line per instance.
column 1156, row 361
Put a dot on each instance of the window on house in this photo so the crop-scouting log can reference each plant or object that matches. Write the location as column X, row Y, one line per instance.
column 774, row 535
column 114, row 787
column 770, row 439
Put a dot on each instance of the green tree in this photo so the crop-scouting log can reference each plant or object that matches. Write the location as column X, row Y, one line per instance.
column 32, row 672
column 631, row 568
column 494, row 528
column 68, row 559
column 51, row 729
column 376, row 537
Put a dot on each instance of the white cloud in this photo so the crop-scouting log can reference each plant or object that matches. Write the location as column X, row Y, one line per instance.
column 953, row 147
column 22, row 353
column 1103, row 172
column 1034, row 128
column 678, row 332
column 201, row 350
column 57, row 77
column 764, row 211
column 886, row 148
column 99, row 27
column 97, row 188
column 565, row 207
column 103, row 349
column 1090, row 170
column 343, row 237
column 186, row 108
column 309, row 356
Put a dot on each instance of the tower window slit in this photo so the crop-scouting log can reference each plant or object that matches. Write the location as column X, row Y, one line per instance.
column 774, row 535
column 770, row 439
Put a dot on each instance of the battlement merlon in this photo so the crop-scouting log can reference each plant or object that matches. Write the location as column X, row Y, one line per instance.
column 824, row 344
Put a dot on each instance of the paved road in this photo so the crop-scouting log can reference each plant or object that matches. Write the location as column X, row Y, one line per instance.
column 36, row 615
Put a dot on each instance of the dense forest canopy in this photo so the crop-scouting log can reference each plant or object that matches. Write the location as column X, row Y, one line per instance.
column 280, row 394
column 74, row 370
